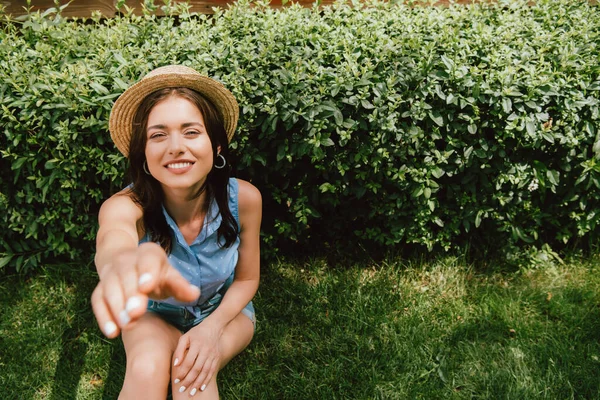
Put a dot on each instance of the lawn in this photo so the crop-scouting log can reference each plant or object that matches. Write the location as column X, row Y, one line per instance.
column 392, row 329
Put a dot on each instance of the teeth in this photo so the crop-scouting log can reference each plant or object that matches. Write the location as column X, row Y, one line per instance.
column 179, row 165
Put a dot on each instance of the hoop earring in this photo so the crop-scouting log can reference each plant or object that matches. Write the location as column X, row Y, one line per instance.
column 220, row 156
column 145, row 167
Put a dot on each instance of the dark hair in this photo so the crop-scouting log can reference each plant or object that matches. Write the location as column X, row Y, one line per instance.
column 147, row 191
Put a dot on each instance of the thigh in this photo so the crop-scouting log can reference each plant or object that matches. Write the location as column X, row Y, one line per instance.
column 236, row 337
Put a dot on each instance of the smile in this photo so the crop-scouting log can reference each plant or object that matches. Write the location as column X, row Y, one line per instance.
column 179, row 165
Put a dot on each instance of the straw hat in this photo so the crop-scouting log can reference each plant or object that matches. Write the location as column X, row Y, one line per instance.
column 121, row 117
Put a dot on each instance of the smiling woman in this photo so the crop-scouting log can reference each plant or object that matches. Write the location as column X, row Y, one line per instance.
column 178, row 150
column 178, row 251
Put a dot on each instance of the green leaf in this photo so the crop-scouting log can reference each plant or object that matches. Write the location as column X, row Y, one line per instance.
column 338, row 117
column 448, row 63
column 553, row 176
column 436, row 117
column 327, row 187
column 19, row 263
column 548, row 137
column 438, row 172
column 417, row 192
column 261, row 159
column 596, row 148
column 327, row 142
column 18, row 164
column 367, row 104
column 431, row 205
column 513, row 92
column 506, row 104
column 478, row 218
column 468, row 151
column 50, row 164
column 518, row 233
column 120, row 59
column 5, row 260
column 335, row 89
column 99, row 88
column 531, row 127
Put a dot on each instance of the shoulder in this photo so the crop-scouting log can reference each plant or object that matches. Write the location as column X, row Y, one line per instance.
column 121, row 200
column 121, row 206
column 249, row 198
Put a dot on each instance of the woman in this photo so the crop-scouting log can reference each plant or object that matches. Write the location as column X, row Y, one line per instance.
column 177, row 252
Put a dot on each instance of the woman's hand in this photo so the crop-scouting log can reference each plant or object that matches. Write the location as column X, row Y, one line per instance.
column 129, row 279
column 196, row 358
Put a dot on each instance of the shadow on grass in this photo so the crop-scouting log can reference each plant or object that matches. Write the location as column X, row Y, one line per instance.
column 323, row 333
column 536, row 337
column 46, row 315
column 74, row 339
column 116, row 371
column 78, row 341
column 70, row 365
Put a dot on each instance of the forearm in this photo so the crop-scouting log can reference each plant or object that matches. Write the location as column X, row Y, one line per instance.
column 111, row 243
column 239, row 294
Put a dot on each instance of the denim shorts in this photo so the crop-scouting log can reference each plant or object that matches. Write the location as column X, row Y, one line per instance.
column 184, row 320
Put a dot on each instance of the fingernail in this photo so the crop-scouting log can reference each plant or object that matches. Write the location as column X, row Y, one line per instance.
column 202, row 388
column 124, row 318
column 109, row 328
column 175, row 363
column 133, row 303
column 182, row 389
column 195, row 287
column 193, row 392
column 176, row 381
column 144, row 278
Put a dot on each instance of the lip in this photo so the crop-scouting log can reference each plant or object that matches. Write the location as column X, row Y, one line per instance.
column 180, row 170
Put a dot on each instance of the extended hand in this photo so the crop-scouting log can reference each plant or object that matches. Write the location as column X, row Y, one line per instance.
column 125, row 284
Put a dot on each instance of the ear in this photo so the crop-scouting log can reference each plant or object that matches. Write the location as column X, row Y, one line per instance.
column 218, row 149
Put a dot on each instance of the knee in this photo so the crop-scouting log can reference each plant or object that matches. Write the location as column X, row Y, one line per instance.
column 148, row 369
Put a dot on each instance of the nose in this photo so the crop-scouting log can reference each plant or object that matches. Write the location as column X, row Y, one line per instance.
column 175, row 144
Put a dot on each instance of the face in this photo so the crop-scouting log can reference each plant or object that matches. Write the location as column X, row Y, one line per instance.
column 178, row 149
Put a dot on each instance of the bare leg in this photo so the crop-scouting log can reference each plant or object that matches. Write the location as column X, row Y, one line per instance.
column 236, row 337
column 149, row 345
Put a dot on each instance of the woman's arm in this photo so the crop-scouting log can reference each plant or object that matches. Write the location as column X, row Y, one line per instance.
column 118, row 221
column 247, row 270
column 129, row 273
column 198, row 356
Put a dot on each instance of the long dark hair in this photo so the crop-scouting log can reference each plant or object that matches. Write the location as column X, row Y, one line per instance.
column 147, row 191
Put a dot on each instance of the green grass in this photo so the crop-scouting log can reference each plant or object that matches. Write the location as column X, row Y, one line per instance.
column 388, row 330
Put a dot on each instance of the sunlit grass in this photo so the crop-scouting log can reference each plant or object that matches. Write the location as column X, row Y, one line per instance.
column 395, row 329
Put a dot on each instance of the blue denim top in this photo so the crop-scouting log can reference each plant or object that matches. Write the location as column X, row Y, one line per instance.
column 204, row 263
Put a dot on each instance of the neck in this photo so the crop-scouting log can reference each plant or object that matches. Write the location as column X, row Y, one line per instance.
column 183, row 208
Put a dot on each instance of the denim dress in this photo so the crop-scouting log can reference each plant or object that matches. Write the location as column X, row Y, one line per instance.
column 204, row 264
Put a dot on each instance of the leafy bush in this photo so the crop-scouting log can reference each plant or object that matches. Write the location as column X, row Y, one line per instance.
column 387, row 123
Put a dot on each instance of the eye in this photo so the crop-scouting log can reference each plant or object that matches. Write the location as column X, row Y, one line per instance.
column 156, row 135
column 192, row 132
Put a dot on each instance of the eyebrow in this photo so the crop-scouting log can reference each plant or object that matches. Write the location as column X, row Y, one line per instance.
column 184, row 125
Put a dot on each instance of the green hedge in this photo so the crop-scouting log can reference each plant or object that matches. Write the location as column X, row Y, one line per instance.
column 388, row 123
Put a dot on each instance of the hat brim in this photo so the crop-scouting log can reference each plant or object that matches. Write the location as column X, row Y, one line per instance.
column 124, row 109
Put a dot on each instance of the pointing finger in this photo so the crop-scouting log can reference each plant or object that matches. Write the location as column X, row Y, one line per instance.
column 103, row 316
